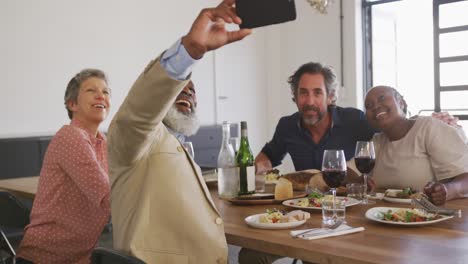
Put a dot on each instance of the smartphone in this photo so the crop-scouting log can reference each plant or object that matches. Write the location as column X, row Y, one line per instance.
column 259, row 13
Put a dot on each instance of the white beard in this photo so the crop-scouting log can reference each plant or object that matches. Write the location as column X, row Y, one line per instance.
column 186, row 124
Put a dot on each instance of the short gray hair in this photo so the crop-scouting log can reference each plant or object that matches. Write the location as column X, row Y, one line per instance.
column 73, row 87
column 328, row 73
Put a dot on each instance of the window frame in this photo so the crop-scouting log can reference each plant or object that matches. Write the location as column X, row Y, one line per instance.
column 438, row 89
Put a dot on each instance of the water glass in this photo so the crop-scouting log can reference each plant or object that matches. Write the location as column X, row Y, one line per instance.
column 356, row 190
column 260, row 183
column 332, row 211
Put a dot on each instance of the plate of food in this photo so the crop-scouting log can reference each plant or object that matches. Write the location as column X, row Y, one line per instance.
column 276, row 219
column 314, row 201
column 404, row 216
column 400, row 195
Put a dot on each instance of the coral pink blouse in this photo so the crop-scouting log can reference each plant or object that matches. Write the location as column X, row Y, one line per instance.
column 72, row 204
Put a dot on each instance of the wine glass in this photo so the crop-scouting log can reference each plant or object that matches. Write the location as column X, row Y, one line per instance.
column 334, row 169
column 364, row 157
column 189, row 148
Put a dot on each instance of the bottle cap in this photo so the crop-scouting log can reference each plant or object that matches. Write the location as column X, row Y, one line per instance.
column 243, row 124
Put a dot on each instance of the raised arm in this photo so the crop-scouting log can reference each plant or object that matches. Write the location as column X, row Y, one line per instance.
column 135, row 126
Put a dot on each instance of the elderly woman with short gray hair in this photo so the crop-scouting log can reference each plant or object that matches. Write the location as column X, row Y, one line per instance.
column 72, row 203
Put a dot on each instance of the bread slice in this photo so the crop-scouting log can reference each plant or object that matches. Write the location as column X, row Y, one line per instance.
column 283, row 189
column 301, row 179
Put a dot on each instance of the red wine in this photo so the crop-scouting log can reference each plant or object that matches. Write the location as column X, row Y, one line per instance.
column 334, row 178
column 364, row 164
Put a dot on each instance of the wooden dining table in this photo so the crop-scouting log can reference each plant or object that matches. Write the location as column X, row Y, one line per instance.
column 25, row 187
column 443, row 242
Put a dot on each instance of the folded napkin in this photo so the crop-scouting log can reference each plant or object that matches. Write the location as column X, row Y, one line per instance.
column 317, row 233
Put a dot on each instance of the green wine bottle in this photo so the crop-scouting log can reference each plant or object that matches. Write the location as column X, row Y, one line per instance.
column 245, row 161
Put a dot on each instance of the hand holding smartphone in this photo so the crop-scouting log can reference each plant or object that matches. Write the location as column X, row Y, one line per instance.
column 259, row 13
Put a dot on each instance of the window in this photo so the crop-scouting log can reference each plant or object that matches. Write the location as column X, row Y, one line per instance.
column 420, row 48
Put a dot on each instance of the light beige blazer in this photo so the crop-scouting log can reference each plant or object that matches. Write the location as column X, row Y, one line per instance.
column 162, row 211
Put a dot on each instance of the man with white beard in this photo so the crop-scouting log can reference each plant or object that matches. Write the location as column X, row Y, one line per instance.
column 182, row 119
column 162, row 210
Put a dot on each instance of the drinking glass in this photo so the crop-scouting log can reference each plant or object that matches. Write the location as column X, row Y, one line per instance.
column 333, row 211
column 189, row 148
column 364, row 157
column 355, row 190
column 334, row 171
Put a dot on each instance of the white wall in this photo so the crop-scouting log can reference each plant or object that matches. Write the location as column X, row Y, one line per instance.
column 44, row 43
column 241, row 79
column 313, row 37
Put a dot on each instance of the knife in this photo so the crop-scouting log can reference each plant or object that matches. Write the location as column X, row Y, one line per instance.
column 324, row 232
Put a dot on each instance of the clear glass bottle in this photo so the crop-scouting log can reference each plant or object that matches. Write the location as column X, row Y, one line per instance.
column 228, row 179
column 245, row 161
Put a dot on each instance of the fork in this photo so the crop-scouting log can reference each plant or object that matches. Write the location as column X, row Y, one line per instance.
column 423, row 202
column 332, row 227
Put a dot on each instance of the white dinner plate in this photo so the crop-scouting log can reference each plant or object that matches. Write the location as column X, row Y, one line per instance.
column 293, row 203
column 254, row 221
column 376, row 214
